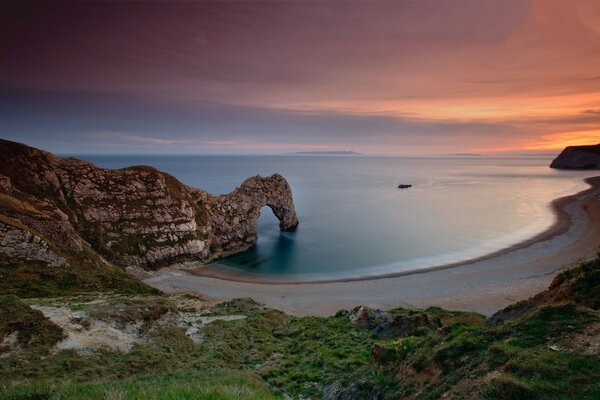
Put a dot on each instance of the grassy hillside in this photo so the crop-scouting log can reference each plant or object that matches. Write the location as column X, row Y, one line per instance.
column 187, row 385
column 546, row 347
column 33, row 279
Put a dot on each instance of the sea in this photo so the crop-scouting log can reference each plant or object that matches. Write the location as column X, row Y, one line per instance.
column 355, row 222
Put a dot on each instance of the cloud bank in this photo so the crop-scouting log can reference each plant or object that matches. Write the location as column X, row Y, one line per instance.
column 376, row 77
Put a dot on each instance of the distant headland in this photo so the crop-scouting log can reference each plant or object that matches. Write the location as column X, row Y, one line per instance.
column 578, row 157
column 329, row 153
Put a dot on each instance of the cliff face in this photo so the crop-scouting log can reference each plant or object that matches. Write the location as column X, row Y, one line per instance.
column 578, row 157
column 55, row 211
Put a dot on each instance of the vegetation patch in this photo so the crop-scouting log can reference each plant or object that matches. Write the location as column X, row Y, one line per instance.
column 22, row 327
column 131, row 309
column 189, row 385
column 38, row 280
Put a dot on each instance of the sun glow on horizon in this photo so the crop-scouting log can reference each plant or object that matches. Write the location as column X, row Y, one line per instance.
column 551, row 142
column 558, row 141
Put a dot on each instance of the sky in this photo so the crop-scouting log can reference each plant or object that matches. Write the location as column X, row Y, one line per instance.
column 398, row 77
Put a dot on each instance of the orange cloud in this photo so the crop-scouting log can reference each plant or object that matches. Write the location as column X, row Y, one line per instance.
column 558, row 141
column 551, row 142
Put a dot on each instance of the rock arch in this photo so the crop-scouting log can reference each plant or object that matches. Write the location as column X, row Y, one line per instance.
column 275, row 193
column 235, row 215
column 136, row 216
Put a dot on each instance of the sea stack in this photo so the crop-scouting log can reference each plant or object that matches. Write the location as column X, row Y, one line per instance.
column 578, row 157
column 64, row 211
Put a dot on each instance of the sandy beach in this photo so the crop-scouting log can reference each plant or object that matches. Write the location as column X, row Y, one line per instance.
column 483, row 285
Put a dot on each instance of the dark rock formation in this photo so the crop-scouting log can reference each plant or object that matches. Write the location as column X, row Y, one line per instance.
column 54, row 210
column 366, row 317
column 389, row 325
column 361, row 389
column 578, row 157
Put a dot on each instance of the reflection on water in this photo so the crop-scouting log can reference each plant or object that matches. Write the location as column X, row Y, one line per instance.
column 271, row 247
column 281, row 250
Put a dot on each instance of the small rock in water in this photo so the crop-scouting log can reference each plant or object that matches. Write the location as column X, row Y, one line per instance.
column 404, row 186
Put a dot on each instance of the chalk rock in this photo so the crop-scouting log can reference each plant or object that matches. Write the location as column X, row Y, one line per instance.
column 135, row 216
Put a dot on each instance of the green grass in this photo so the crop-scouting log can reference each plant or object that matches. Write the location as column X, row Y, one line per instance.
column 560, row 375
column 316, row 352
column 539, row 373
column 549, row 323
column 189, row 385
column 586, row 288
column 33, row 331
column 38, row 280
column 296, row 355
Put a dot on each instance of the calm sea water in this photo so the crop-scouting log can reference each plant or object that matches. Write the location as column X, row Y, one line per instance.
column 355, row 222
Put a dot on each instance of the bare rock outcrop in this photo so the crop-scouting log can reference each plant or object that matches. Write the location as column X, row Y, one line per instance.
column 578, row 157
column 17, row 245
column 137, row 216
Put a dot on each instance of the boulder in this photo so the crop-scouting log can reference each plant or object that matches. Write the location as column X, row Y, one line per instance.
column 386, row 324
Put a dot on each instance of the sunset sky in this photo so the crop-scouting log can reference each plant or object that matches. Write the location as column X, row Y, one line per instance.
column 418, row 77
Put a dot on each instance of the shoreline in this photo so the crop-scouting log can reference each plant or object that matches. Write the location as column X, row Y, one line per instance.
column 561, row 225
column 485, row 284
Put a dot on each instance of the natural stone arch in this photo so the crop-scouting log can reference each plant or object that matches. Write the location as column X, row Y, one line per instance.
column 236, row 214
column 133, row 217
column 273, row 192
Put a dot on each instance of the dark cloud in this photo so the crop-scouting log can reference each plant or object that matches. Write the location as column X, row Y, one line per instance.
column 65, row 121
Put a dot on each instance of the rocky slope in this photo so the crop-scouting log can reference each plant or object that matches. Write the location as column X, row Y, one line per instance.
column 578, row 157
column 97, row 346
column 57, row 212
column 546, row 347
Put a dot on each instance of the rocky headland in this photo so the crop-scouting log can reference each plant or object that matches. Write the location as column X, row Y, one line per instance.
column 60, row 212
column 578, row 157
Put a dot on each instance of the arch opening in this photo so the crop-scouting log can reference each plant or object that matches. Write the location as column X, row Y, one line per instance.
column 268, row 223
column 273, row 247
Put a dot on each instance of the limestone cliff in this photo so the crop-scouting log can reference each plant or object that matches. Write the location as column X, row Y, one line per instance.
column 578, row 157
column 55, row 210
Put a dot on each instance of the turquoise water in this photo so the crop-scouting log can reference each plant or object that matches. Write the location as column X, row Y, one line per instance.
column 355, row 222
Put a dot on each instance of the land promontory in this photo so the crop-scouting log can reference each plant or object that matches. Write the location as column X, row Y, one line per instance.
column 60, row 212
column 578, row 157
